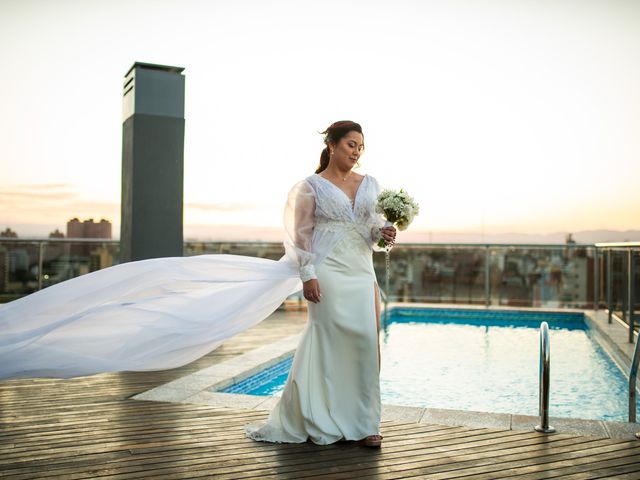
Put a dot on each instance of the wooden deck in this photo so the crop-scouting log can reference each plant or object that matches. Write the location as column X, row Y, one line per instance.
column 90, row 428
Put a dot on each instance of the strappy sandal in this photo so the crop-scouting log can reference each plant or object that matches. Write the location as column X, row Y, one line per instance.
column 373, row 441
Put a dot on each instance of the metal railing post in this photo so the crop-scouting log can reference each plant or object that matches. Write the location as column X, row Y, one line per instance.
column 630, row 290
column 545, row 363
column 609, row 285
column 40, row 261
column 487, row 285
column 633, row 374
column 624, row 292
column 596, row 278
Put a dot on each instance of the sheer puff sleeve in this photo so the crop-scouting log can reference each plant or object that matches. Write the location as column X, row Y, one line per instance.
column 299, row 223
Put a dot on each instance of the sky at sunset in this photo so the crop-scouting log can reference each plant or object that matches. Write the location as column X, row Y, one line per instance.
column 496, row 115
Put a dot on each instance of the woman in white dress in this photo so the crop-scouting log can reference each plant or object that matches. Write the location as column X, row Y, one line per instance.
column 332, row 392
column 163, row 313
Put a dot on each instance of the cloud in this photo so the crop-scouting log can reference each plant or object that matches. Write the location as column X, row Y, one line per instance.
column 9, row 196
column 50, row 203
column 46, row 186
column 35, row 192
column 221, row 207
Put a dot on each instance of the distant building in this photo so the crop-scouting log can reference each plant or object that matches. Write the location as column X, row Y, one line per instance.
column 88, row 228
column 8, row 233
column 81, row 251
column 56, row 234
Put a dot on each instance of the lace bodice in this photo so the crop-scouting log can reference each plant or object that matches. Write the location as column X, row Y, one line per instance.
column 333, row 206
column 319, row 214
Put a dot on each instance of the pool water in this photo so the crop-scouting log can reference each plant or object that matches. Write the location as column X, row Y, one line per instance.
column 485, row 361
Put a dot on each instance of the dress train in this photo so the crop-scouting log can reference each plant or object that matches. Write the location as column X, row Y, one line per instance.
column 146, row 315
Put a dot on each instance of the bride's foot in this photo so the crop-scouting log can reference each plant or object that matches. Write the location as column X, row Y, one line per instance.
column 373, row 441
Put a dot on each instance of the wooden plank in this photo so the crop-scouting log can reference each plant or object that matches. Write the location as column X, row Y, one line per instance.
column 251, row 460
column 600, row 469
column 243, row 465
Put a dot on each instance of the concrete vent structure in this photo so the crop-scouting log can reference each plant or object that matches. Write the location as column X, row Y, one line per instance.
column 152, row 162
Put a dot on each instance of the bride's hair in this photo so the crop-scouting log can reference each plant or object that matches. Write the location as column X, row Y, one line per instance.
column 333, row 134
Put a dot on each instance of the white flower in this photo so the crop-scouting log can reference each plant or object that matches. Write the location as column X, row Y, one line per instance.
column 398, row 207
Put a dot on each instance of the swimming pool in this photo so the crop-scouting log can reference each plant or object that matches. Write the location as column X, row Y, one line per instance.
column 485, row 361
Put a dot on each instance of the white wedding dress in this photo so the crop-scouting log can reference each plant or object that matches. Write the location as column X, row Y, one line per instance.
column 163, row 313
column 332, row 391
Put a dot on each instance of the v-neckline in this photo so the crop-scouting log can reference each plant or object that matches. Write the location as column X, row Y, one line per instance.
column 351, row 201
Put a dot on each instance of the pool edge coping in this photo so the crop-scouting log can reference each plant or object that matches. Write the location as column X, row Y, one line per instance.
column 196, row 388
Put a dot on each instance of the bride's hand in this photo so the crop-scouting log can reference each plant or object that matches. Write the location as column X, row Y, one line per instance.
column 311, row 290
column 389, row 234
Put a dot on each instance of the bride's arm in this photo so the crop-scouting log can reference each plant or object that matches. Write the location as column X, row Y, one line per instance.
column 299, row 222
column 302, row 207
column 304, row 223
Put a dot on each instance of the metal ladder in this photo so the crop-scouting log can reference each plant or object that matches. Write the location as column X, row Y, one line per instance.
column 633, row 374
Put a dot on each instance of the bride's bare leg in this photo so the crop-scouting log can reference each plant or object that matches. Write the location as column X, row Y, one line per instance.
column 377, row 300
column 376, row 440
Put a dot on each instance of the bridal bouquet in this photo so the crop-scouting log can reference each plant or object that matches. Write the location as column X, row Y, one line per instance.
column 398, row 208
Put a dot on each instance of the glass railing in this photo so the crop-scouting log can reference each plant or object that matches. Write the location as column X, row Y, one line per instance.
column 271, row 250
column 618, row 280
column 537, row 276
column 30, row 265
column 551, row 276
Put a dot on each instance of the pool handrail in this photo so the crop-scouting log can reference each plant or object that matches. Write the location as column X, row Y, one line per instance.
column 633, row 374
column 543, row 393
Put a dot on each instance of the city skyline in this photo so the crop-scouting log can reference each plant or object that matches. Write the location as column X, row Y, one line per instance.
column 239, row 233
column 75, row 228
column 496, row 117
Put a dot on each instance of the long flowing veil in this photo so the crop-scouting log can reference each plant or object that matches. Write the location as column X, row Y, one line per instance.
column 151, row 314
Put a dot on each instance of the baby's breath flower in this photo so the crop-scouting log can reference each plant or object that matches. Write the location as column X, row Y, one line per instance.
column 398, row 208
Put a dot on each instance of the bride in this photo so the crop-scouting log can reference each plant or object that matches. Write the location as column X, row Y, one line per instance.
column 332, row 391
column 162, row 313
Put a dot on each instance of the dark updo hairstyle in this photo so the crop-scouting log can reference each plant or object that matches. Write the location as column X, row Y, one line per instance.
column 333, row 134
